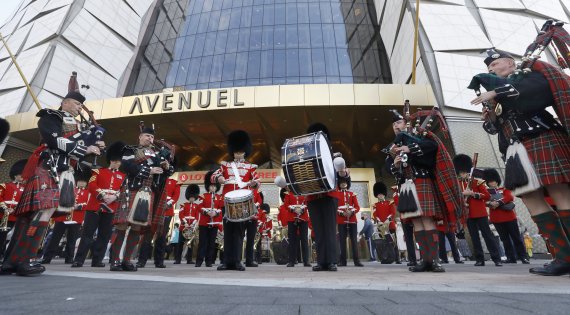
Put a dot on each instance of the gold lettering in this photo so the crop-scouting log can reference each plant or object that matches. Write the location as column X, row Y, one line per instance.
column 236, row 101
column 204, row 104
column 183, row 101
column 152, row 105
column 222, row 96
column 137, row 104
column 166, row 101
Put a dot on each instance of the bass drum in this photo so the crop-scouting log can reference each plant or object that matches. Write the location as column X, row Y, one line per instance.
column 280, row 251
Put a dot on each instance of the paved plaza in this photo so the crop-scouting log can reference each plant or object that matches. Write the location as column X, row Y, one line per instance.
column 274, row 289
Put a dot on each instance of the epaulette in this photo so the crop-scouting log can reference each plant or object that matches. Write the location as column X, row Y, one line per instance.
column 253, row 165
column 48, row 111
column 480, row 181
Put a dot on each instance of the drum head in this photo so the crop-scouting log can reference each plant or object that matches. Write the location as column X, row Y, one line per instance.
column 326, row 159
column 240, row 194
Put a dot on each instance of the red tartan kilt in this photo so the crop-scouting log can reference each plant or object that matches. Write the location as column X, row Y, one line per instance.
column 550, row 156
column 427, row 194
column 34, row 197
column 158, row 215
column 122, row 213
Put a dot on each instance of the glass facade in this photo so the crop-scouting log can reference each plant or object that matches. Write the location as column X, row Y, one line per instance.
column 230, row 43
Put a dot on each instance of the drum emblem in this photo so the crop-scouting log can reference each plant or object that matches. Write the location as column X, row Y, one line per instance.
column 300, row 151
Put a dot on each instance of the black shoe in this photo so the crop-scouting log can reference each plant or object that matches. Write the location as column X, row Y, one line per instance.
column 140, row 264
column 29, row 269
column 96, row 264
column 251, row 264
column 358, row 264
column 115, row 266
column 177, row 263
column 160, row 265
column 498, row 263
column 290, row 265
column 128, row 266
column 332, row 267
column 436, row 267
column 198, row 265
column 479, row 264
column 222, row 267
column 525, row 261
column 240, row 267
column 342, row 264
column 318, row 267
column 411, row 263
column 306, row 264
column 421, row 267
column 189, row 262
column 7, row 269
column 459, row 262
column 208, row 265
column 445, row 261
column 77, row 264
column 555, row 268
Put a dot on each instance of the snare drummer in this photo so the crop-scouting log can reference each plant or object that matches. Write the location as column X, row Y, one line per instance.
column 234, row 175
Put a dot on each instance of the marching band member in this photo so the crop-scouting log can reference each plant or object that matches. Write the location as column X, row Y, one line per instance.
column 70, row 224
column 408, row 231
column 251, row 229
column 189, row 216
column 322, row 211
column 298, row 228
column 504, row 217
column 210, row 219
column 423, row 169
column 540, row 141
column 384, row 210
column 264, row 229
column 478, row 219
column 283, row 214
column 346, row 219
column 10, row 194
column 49, row 167
column 143, row 166
column 104, row 186
column 234, row 175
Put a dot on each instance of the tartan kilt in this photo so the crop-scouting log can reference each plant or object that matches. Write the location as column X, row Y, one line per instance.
column 36, row 198
column 429, row 200
column 158, row 214
column 550, row 156
column 122, row 212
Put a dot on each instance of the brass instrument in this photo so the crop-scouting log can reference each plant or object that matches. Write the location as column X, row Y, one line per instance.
column 190, row 233
column 220, row 240
column 4, row 223
column 382, row 228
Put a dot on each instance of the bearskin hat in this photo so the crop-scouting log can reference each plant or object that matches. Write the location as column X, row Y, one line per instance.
column 492, row 175
column 82, row 174
column 208, row 181
column 115, row 151
column 380, row 188
column 4, row 129
column 282, row 194
column 343, row 180
column 17, row 168
column 316, row 127
column 265, row 207
column 192, row 190
column 462, row 163
column 396, row 116
column 239, row 140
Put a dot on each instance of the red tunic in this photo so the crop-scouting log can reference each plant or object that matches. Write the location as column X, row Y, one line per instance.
column 266, row 224
column 382, row 210
column 291, row 202
column 218, row 204
column 10, row 194
column 104, row 181
column 346, row 197
column 82, row 197
column 190, row 212
column 247, row 173
column 172, row 192
column 477, row 203
column 498, row 215
column 283, row 215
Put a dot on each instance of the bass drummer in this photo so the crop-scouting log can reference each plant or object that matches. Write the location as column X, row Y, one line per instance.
column 235, row 175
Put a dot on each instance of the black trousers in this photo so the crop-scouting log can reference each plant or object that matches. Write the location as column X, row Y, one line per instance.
column 207, row 244
column 298, row 235
column 251, row 230
column 72, row 235
column 159, row 244
column 233, row 242
column 323, row 217
column 348, row 230
column 408, row 229
column 99, row 221
column 512, row 241
column 180, row 249
column 452, row 243
column 3, row 236
column 482, row 224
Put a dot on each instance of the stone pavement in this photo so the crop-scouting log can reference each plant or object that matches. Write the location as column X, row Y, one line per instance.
column 374, row 289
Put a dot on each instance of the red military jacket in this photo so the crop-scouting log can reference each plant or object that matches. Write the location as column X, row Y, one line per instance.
column 346, row 197
column 383, row 209
column 247, row 172
column 172, row 191
column 499, row 215
column 190, row 212
column 10, row 194
column 265, row 224
column 104, row 181
column 82, row 197
column 283, row 215
column 291, row 202
column 477, row 203
column 218, row 204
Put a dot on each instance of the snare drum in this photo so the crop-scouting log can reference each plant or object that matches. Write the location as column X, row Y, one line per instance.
column 308, row 164
column 239, row 205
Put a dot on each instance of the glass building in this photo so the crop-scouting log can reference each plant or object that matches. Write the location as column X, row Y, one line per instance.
column 201, row 44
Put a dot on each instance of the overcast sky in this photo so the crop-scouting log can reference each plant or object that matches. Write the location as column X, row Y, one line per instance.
column 7, row 8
